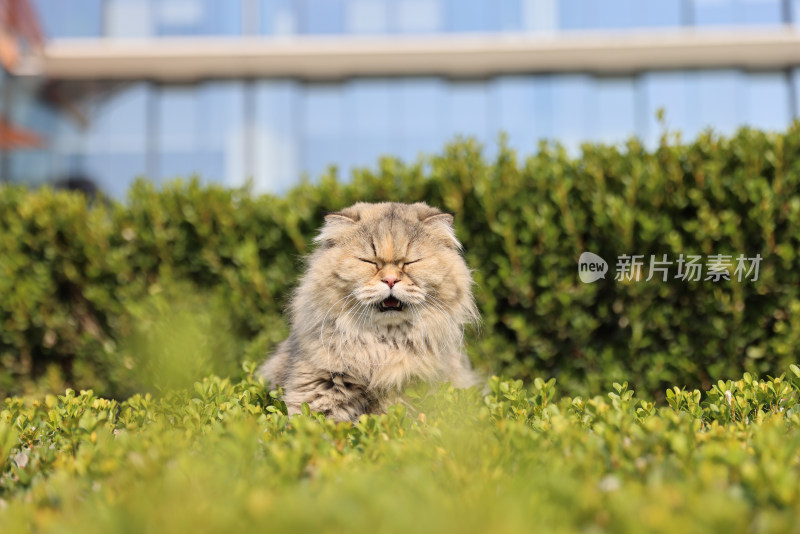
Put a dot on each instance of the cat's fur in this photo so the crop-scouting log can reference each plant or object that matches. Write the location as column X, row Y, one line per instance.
column 344, row 356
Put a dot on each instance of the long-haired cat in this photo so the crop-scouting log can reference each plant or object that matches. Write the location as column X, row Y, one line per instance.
column 383, row 303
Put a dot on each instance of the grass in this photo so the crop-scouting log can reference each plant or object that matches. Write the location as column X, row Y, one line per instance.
column 223, row 457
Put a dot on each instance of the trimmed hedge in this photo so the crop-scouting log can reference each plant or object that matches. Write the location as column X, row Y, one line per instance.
column 80, row 280
column 223, row 457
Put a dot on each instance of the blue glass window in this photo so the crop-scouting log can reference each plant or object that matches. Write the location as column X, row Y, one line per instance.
column 505, row 15
column 667, row 91
column 582, row 14
column 367, row 16
column 117, row 139
column 760, row 12
column 421, row 109
column 468, row 15
column 660, row 13
column 60, row 18
column 419, row 16
column 110, row 149
column 613, row 110
column 198, row 17
column 539, row 15
column 718, row 100
column 29, row 165
column 277, row 136
column 143, row 18
column 694, row 101
column 514, row 110
column 719, row 12
column 201, row 130
column 369, row 131
column 768, row 101
column 571, row 109
column 278, row 17
column 129, row 18
column 707, row 12
column 321, row 16
column 794, row 93
column 469, row 111
column 322, row 127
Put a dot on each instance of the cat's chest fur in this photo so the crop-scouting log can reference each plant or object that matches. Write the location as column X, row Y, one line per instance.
column 385, row 358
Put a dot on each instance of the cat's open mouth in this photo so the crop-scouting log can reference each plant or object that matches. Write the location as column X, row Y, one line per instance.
column 390, row 304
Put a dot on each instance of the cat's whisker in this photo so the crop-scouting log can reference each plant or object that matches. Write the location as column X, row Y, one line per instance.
column 450, row 336
column 325, row 318
column 355, row 319
column 349, row 297
column 347, row 317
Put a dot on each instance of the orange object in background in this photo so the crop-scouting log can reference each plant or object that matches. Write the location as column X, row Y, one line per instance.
column 18, row 27
column 15, row 138
column 18, row 22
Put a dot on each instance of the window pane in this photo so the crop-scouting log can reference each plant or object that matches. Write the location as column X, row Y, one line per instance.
column 199, row 17
column 421, row 108
column 201, row 130
column 760, row 12
column 277, row 135
column 367, row 16
column 694, row 101
column 468, row 15
column 60, row 18
column 661, row 13
column 583, row 14
column 29, row 165
column 768, row 101
column 323, row 119
column 419, row 16
column 571, row 115
column 613, row 110
column 540, row 15
column 469, row 111
column 717, row 12
column 278, row 17
column 369, row 129
column 110, row 149
column 513, row 106
column 129, row 18
column 505, row 15
column 322, row 16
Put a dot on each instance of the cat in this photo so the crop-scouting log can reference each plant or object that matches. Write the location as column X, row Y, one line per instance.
column 383, row 303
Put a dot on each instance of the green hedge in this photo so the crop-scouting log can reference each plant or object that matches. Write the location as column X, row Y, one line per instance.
column 84, row 286
column 223, row 457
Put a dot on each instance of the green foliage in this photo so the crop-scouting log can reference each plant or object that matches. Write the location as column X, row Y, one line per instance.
column 75, row 277
column 223, row 456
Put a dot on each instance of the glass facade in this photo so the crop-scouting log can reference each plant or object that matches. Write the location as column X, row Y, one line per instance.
column 143, row 18
column 273, row 131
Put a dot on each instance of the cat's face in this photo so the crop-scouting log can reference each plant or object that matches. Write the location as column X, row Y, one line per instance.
column 388, row 263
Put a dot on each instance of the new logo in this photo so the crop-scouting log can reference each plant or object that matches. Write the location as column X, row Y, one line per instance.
column 591, row 267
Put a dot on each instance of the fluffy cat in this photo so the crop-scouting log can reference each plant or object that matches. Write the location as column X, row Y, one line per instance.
column 383, row 302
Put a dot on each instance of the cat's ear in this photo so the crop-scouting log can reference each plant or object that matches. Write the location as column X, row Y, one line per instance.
column 336, row 225
column 338, row 217
column 441, row 225
column 446, row 218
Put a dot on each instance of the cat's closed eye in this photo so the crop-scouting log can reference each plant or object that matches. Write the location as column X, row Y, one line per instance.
column 368, row 261
column 405, row 264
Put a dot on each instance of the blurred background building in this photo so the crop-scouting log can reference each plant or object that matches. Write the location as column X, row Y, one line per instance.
column 271, row 89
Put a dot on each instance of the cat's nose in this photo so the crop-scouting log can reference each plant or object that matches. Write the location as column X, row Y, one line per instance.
column 390, row 280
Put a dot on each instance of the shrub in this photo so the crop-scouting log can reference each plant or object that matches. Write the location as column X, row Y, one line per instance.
column 223, row 456
column 73, row 274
